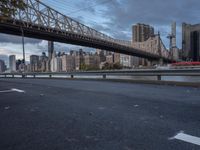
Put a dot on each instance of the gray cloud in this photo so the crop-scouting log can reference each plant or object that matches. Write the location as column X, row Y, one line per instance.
column 16, row 39
column 120, row 15
column 158, row 12
column 123, row 14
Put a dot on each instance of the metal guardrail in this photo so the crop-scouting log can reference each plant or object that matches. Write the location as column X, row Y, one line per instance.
column 140, row 72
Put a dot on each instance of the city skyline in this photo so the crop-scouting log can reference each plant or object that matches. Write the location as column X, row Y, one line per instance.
column 114, row 25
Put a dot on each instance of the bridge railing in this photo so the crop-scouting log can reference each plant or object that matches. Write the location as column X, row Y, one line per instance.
column 104, row 74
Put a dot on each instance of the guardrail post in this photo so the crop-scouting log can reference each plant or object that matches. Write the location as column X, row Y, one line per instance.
column 72, row 76
column 50, row 76
column 5, row 75
column 23, row 75
column 159, row 77
column 34, row 76
column 104, row 76
column 13, row 76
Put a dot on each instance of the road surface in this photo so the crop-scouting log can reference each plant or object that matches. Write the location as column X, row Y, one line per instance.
column 50, row 114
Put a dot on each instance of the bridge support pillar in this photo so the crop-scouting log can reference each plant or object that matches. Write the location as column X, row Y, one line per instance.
column 23, row 75
column 161, row 62
column 159, row 77
column 149, row 63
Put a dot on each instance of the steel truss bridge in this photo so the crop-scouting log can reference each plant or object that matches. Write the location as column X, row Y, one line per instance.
column 40, row 21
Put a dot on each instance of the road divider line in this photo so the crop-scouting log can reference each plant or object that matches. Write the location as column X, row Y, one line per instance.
column 187, row 138
column 13, row 90
column 6, row 91
column 17, row 90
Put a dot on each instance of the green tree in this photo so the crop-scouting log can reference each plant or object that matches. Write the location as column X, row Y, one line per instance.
column 117, row 66
column 108, row 66
column 9, row 7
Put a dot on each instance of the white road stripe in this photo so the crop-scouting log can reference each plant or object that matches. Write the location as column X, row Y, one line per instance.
column 187, row 138
column 17, row 90
column 12, row 90
column 6, row 91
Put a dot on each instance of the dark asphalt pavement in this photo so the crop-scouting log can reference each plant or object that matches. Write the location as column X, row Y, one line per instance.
column 93, row 115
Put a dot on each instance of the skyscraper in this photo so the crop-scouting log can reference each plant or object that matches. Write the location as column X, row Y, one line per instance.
column 56, row 64
column 126, row 61
column 50, row 49
column 141, row 32
column 34, row 63
column 12, row 63
column 68, row 63
column 2, row 66
column 173, row 33
column 191, row 42
column 116, row 57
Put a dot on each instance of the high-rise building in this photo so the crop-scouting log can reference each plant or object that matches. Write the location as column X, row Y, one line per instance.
column 43, row 60
column 56, row 64
column 110, row 59
column 92, row 61
column 116, row 57
column 5, row 58
column 12, row 63
column 34, row 63
column 191, row 42
column 79, row 59
column 173, row 33
column 101, row 54
column 141, row 32
column 174, row 48
column 68, row 63
column 2, row 66
column 126, row 61
column 50, row 49
column 48, row 66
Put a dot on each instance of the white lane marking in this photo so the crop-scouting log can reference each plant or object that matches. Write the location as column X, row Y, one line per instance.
column 187, row 138
column 17, row 90
column 13, row 90
column 6, row 91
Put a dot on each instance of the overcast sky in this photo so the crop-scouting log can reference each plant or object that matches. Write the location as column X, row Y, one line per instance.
column 113, row 17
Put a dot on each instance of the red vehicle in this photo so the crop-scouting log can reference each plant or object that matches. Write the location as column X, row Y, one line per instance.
column 195, row 63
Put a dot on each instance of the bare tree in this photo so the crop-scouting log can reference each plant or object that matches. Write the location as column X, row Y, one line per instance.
column 9, row 7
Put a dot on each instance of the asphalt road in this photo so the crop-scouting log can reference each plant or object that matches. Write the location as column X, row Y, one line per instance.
column 94, row 115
